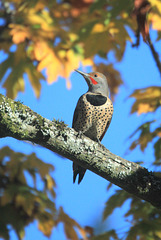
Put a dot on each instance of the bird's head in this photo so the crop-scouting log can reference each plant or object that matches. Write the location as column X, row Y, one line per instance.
column 97, row 82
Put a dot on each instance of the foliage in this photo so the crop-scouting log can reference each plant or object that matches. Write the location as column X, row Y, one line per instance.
column 143, row 217
column 58, row 36
column 23, row 201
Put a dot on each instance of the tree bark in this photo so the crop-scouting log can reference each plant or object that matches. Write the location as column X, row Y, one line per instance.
column 20, row 122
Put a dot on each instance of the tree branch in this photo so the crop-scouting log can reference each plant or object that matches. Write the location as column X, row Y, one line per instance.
column 20, row 122
column 155, row 54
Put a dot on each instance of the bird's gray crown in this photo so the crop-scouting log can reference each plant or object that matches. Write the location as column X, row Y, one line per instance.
column 97, row 82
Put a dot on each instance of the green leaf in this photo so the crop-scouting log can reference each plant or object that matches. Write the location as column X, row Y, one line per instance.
column 105, row 236
column 6, row 65
column 97, row 5
column 157, row 148
column 115, row 201
column 34, row 77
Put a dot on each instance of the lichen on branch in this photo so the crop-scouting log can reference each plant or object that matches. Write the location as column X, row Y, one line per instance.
column 20, row 122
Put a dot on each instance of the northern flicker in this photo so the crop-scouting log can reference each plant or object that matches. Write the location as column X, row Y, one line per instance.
column 93, row 113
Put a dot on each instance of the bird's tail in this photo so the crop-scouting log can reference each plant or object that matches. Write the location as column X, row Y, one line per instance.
column 78, row 170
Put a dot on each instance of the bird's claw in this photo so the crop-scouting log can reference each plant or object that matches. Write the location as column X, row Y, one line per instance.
column 80, row 134
column 99, row 141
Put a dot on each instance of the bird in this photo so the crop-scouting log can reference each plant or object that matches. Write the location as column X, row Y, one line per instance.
column 93, row 113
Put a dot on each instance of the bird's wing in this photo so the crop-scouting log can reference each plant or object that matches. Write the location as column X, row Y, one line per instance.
column 75, row 116
column 76, row 113
column 107, row 125
column 109, row 119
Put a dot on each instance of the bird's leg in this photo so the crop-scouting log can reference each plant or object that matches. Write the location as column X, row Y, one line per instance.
column 99, row 141
column 80, row 134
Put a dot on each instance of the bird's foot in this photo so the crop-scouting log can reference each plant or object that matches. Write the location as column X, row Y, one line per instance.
column 80, row 134
column 99, row 141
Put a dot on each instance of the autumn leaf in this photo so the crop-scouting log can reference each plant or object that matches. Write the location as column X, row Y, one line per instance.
column 25, row 203
column 69, row 226
column 61, row 36
column 144, row 136
column 147, row 100
column 46, row 225
column 155, row 14
column 42, row 18
column 19, row 33
column 50, row 184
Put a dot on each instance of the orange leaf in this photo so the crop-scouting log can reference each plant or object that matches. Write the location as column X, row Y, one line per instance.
column 19, row 33
column 144, row 108
column 159, row 134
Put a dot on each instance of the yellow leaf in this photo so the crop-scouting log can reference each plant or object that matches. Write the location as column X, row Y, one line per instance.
column 53, row 68
column 156, row 22
column 71, row 62
column 73, row 37
column 87, row 62
column 49, row 182
column 147, row 100
column 98, row 28
column 56, row 65
column 156, row 3
column 151, row 92
column 112, row 28
column 158, row 234
column 46, row 226
column 40, row 5
column 33, row 17
column 40, row 50
column 68, row 83
column 47, row 60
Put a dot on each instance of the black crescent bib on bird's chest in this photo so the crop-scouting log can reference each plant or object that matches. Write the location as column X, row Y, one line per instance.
column 96, row 100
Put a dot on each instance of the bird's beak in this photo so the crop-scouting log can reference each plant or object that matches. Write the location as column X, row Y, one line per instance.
column 82, row 73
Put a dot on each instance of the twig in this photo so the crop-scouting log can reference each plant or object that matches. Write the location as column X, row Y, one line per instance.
column 155, row 54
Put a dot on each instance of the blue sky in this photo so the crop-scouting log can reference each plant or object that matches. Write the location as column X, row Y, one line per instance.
column 85, row 202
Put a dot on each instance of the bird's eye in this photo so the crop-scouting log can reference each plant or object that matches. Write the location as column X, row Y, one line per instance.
column 95, row 75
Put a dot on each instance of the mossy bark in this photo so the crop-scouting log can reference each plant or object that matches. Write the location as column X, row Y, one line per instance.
column 20, row 122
